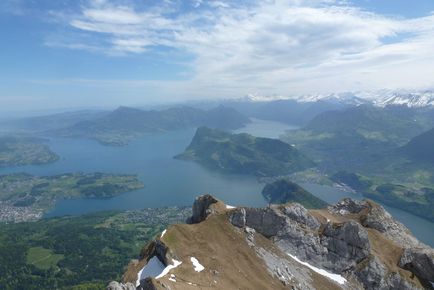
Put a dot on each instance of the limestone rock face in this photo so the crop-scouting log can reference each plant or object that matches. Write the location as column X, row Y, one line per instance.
column 420, row 261
column 267, row 221
column 201, row 208
column 346, row 239
column 376, row 217
column 338, row 247
column 347, row 245
column 120, row 286
column 238, row 217
column 348, row 206
column 301, row 215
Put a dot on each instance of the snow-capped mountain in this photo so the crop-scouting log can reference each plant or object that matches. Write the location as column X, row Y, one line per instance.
column 340, row 98
column 409, row 99
column 383, row 98
column 347, row 98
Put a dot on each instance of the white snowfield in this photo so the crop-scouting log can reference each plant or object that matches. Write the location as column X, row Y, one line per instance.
column 163, row 233
column 230, row 207
column 335, row 277
column 154, row 268
column 168, row 268
column 197, row 266
column 381, row 98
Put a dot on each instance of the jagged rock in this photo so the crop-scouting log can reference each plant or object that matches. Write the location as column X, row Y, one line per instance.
column 372, row 275
column 395, row 281
column 420, row 261
column 301, row 215
column 238, row 217
column 374, row 216
column 120, row 286
column 201, row 208
column 348, row 206
column 347, row 245
column 267, row 221
column 342, row 246
column 378, row 218
column 147, row 284
column 155, row 248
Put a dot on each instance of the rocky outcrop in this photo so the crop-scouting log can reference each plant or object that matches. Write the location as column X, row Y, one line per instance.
column 358, row 241
column 299, row 214
column 267, row 221
column 120, row 286
column 202, row 208
column 374, row 216
column 419, row 261
column 347, row 245
column 341, row 247
column 348, row 206
column 374, row 275
column 338, row 247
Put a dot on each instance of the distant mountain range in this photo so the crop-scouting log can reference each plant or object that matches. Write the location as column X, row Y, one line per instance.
column 125, row 124
column 382, row 98
column 357, row 136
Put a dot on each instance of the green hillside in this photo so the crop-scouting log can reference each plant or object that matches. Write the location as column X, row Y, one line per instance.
column 284, row 191
column 244, row 153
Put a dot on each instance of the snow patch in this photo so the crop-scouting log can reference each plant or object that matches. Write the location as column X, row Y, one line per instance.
column 197, row 266
column 172, row 278
column 168, row 268
column 163, row 233
column 335, row 277
column 230, row 207
column 151, row 269
column 192, row 284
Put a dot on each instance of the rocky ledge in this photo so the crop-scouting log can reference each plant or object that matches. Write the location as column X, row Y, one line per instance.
column 349, row 245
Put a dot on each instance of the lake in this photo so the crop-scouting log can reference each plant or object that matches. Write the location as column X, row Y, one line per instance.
column 170, row 182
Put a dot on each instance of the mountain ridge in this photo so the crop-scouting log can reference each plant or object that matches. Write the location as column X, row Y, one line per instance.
column 381, row 98
column 349, row 245
column 125, row 124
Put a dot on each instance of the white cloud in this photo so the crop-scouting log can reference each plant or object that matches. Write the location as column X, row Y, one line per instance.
column 281, row 46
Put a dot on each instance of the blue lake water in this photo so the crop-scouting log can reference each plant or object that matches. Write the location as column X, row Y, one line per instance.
column 171, row 182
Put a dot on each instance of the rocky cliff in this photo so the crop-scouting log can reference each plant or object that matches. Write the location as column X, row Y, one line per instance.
column 349, row 245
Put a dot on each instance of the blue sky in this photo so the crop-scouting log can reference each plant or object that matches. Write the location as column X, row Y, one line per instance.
column 69, row 53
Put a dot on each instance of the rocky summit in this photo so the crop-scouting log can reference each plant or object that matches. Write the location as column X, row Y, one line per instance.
column 349, row 245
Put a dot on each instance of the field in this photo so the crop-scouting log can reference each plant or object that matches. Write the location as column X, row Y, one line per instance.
column 42, row 258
